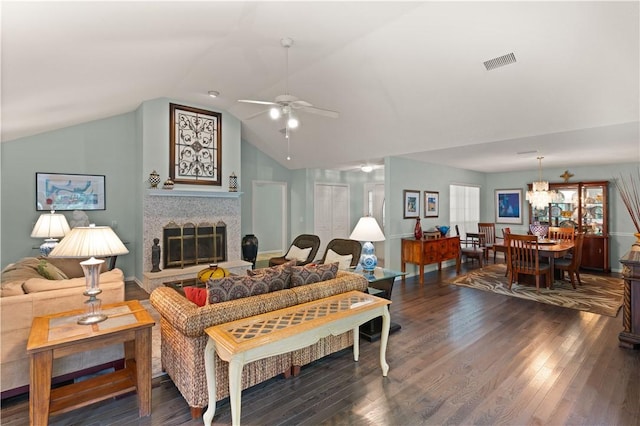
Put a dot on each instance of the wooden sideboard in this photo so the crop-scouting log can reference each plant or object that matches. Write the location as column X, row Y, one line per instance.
column 425, row 252
column 630, row 336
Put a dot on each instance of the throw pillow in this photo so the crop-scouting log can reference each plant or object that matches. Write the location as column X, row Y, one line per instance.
column 196, row 295
column 282, row 277
column 344, row 261
column 71, row 266
column 303, row 275
column 297, row 253
column 277, row 280
column 11, row 289
column 50, row 272
column 21, row 271
column 235, row 287
column 277, row 268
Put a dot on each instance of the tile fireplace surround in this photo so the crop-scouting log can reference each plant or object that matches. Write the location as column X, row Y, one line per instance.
column 163, row 206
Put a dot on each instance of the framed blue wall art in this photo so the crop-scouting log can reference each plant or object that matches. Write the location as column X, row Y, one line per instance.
column 411, row 204
column 509, row 206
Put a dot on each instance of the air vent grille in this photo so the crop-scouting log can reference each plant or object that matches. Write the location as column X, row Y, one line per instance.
column 500, row 61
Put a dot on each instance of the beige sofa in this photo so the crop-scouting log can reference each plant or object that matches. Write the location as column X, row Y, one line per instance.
column 25, row 295
column 183, row 337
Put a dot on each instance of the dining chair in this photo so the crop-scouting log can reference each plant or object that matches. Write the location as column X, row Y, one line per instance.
column 561, row 234
column 572, row 265
column 502, row 248
column 462, row 240
column 473, row 247
column 489, row 231
column 522, row 254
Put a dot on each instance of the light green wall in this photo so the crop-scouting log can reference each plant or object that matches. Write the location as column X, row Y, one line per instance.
column 403, row 173
column 354, row 179
column 103, row 147
column 256, row 166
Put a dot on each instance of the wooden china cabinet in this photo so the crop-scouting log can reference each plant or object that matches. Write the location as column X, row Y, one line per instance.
column 582, row 206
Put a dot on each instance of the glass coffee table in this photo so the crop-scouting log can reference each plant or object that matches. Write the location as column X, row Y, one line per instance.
column 179, row 285
column 380, row 284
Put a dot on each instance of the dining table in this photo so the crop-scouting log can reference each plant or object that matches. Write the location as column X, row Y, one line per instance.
column 551, row 249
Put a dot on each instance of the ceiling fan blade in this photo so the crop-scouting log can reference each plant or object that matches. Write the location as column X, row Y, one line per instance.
column 256, row 114
column 250, row 101
column 320, row 111
column 298, row 103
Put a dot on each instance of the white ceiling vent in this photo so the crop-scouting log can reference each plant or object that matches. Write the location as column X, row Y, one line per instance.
column 500, row 61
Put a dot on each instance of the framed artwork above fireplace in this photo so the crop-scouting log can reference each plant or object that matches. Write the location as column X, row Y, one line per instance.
column 195, row 146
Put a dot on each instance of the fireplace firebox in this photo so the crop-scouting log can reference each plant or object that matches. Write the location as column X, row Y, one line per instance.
column 191, row 244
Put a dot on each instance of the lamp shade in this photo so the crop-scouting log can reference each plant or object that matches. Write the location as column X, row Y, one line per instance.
column 50, row 225
column 367, row 229
column 90, row 241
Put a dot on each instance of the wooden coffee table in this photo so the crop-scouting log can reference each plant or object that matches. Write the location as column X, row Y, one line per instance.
column 243, row 341
column 58, row 335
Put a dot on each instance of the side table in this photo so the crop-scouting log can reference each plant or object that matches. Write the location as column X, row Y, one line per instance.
column 380, row 284
column 58, row 335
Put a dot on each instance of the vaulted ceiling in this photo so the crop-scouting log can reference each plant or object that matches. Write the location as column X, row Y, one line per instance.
column 407, row 77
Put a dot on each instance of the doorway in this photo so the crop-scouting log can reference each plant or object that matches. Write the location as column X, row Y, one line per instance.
column 374, row 206
column 269, row 212
column 331, row 213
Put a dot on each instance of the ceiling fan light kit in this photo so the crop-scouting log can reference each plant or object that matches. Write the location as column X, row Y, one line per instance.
column 274, row 113
column 292, row 122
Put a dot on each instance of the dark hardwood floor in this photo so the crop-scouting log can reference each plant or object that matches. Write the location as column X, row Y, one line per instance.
column 463, row 356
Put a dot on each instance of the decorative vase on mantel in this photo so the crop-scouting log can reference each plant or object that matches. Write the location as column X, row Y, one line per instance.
column 417, row 232
column 154, row 179
column 233, row 183
column 168, row 184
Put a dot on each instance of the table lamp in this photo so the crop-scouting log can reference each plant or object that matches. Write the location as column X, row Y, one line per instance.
column 367, row 230
column 50, row 226
column 91, row 241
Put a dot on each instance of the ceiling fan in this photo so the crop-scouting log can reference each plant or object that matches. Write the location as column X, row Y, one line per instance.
column 286, row 105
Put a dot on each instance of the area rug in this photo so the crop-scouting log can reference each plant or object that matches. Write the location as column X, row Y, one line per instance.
column 597, row 294
column 156, row 364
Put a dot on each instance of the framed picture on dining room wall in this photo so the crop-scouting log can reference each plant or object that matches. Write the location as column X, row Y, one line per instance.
column 431, row 203
column 411, row 203
column 509, row 206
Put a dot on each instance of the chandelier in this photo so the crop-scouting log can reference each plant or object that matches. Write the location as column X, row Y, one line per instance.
column 540, row 196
